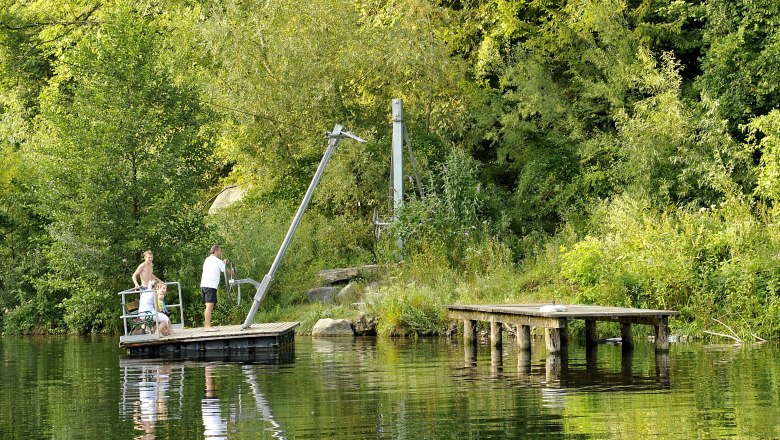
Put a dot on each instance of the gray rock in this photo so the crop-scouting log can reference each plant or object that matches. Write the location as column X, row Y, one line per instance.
column 368, row 269
column 340, row 275
column 333, row 327
column 365, row 326
column 348, row 294
column 323, row 295
column 227, row 197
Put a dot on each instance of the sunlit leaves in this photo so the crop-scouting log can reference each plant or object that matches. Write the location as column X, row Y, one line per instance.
column 764, row 136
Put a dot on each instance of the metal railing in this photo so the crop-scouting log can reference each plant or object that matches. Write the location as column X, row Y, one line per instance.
column 125, row 316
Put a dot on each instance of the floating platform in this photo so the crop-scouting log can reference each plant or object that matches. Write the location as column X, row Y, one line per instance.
column 228, row 341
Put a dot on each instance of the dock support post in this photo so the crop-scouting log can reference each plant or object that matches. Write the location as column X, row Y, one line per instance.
column 662, row 334
column 524, row 337
column 591, row 337
column 556, row 339
column 552, row 339
column 625, row 336
column 470, row 331
column 495, row 333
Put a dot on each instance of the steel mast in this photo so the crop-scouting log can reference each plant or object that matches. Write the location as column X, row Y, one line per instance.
column 334, row 137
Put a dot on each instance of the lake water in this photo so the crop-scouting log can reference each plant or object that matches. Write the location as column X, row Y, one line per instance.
column 85, row 388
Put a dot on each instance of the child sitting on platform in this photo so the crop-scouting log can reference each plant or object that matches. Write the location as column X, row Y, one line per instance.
column 147, row 304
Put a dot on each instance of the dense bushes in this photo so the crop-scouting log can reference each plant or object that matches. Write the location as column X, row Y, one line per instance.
column 719, row 262
column 597, row 152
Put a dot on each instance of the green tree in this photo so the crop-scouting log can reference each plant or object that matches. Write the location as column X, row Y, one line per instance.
column 741, row 59
column 283, row 72
column 125, row 152
column 32, row 34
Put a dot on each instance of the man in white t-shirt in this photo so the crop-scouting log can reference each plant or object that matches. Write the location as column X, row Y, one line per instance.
column 209, row 281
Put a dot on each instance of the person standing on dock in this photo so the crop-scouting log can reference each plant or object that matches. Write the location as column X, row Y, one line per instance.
column 213, row 267
column 145, row 271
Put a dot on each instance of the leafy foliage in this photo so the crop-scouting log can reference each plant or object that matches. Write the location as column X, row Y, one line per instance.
column 124, row 151
column 568, row 149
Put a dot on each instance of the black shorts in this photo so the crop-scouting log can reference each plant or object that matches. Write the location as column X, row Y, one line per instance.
column 208, row 294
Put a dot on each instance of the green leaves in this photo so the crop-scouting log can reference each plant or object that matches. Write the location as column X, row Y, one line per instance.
column 119, row 119
column 764, row 138
column 740, row 62
column 125, row 152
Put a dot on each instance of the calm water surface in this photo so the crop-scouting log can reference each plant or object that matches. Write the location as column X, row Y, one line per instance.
column 76, row 388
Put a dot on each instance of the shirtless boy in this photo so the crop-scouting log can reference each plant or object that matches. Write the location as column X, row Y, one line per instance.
column 145, row 271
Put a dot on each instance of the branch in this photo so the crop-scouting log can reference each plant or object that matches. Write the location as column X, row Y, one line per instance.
column 80, row 20
column 50, row 23
column 739, row 341
column 760, row 339
column 263, row 55
column 730, row 329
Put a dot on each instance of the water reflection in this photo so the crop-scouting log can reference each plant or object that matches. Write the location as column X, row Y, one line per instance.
column 391, row 388
column 262, row 404
column 470, row 354
column 557, row 370
column 146, row 390
column 524, row 363
column 496, row 361
column 214, row 426
column 555, row 365
column 152, row 403
column 153, row 396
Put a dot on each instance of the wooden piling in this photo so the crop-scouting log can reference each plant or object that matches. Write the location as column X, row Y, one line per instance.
column 626, row 337
column 495, row 333
column 662, row 334
column 524, row 337
column 591, row 337
column 470, row 331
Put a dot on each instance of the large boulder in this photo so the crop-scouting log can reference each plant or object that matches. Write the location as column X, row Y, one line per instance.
column 348, row 294
column 364, row 325
column 333, row 327
column 341, row 275
column 227, row 197
column 323, row 295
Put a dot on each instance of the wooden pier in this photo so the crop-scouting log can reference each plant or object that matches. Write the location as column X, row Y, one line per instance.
column 555, row 323
column 226, row 341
